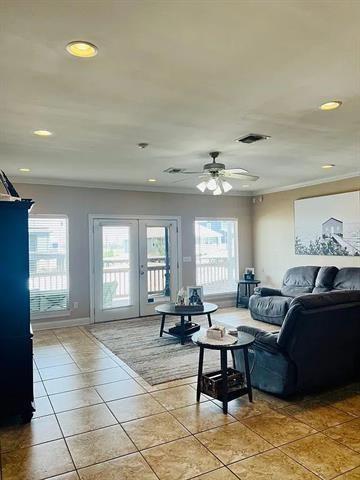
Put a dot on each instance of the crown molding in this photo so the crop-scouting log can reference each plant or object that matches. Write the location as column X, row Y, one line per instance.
column 115, row 186
column 307, row 184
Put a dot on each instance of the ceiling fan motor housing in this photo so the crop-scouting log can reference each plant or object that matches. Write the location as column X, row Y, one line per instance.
column 214, row 167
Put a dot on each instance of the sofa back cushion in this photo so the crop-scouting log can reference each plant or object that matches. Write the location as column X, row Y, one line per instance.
column 325, row 279
column 321, row 334
column 299, row 280
column 347, row 279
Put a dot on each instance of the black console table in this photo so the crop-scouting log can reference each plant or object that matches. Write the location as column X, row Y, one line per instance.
column 249, row 285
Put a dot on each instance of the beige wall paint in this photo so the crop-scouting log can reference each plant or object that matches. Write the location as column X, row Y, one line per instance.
column 273, row 231
column 78, row 203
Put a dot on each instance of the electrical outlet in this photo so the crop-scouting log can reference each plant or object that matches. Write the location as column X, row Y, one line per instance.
column 75, row 305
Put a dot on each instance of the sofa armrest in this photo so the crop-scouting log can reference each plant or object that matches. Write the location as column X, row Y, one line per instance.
column 263, row 340
column 267, row 292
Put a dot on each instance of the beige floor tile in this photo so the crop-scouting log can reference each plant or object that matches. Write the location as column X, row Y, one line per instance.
column 150, row 431
column 173, row 383
column 59, row 371
column 99, row 446
column 49, row 350
column 38, row 462
column 242, row 408
column 108, row 375
column 85, row 419
column 122, row 389
column 233, row 442
column 39, row 430
column 75, row 399
column 177, row 397
column 181, row 459
column 66, row 476
column 272, row 465
column 322, row 455
column 131, row 408
column 53, row 361
column 66, row 384
column 43, row 407
column 202, row 416
column 36, row 375
column 131, row 467
column 318, row 416
column 277, row 428
column 83, row 357
column 39, row 390
column 219, row 474
column 348, row 434
column 94, row 364
column 348, row 402
column 352, row 475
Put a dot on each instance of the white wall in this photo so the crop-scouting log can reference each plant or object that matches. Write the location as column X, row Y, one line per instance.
column 273, row 232
column 77, row 203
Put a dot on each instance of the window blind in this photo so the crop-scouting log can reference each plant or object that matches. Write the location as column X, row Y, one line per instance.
column 49, row 272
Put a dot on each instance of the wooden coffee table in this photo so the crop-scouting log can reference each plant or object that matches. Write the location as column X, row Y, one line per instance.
column 186, row 327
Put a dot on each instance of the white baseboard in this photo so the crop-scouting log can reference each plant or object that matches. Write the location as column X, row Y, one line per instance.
column 50, row 324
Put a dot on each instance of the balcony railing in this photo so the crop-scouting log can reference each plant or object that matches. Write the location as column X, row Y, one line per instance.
column 215, row 272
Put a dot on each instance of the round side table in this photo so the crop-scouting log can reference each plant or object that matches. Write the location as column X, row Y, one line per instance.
column 244, row 340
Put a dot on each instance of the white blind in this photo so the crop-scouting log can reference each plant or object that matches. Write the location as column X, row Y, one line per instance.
column 49, row 272
column 216, row 255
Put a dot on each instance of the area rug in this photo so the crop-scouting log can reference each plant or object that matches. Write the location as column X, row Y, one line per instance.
column 156, row 359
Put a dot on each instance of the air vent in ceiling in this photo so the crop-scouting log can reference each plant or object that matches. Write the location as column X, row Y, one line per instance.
column 174, row 170
column 253, row 137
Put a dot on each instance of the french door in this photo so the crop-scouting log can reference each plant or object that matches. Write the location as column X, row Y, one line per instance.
column 135, row 266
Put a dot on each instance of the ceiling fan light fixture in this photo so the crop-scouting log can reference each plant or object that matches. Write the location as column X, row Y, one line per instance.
column 212, row 184
column 226, row 186
column 218, row 190
column 201, row 186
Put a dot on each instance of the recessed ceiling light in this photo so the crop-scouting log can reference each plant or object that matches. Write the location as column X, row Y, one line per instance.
column 245, row 186
column 333, row 105
column 152, row 180
column 24, row 169
column 329, row 165
column 42, row 133
column 80, row 48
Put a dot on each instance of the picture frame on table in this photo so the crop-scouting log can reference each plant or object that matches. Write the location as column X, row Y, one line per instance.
column 195, row 295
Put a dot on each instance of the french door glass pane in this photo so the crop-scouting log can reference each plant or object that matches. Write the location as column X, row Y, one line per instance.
column 116, row 266
column 216, row 255
column 158, row 262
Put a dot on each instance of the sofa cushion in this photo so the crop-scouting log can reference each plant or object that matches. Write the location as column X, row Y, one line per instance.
column 325, row 279
column 347, row 279
column 299, row 280
column 269, row 309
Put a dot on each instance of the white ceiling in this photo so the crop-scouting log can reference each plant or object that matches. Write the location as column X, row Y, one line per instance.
column 187, row 77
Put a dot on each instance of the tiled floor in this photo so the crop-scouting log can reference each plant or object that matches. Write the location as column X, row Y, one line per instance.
column 96, row 419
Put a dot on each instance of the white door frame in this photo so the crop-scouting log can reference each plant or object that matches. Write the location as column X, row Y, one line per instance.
column 96, row 216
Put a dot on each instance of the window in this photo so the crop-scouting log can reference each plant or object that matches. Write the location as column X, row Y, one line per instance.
column 49, row 271
column 216, row 255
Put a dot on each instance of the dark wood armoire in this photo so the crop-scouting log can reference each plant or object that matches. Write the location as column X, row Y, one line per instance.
column 16, row 367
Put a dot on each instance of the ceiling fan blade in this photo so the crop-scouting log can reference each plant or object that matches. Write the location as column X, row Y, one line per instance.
column 236, row 170
column 240, row 176
column 190, row 173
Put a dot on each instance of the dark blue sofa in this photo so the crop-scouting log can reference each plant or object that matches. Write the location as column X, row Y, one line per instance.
column 317, row 346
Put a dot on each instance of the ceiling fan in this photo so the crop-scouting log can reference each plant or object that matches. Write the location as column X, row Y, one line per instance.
column 214, row 176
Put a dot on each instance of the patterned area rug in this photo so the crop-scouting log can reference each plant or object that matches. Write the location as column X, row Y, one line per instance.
column 157, row 360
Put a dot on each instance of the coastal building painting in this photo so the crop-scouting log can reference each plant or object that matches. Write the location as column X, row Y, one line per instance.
column 328, row 225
